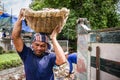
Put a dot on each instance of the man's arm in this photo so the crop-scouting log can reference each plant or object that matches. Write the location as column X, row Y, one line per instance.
column 16, row 33
column 60, row 56
column 61, row 71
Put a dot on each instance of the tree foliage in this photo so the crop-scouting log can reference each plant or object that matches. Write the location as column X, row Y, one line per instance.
column 100, row 13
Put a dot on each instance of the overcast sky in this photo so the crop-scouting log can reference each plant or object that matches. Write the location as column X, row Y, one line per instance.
column 15, row 5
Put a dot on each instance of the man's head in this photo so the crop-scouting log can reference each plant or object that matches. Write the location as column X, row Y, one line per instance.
column 40, row 43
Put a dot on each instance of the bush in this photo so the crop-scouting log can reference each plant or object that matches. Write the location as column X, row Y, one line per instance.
column 10, row 64
column 9, row 60
column 11, row 51
column 1, row 49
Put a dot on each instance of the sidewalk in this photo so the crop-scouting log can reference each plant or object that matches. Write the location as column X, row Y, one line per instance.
column 16, row 73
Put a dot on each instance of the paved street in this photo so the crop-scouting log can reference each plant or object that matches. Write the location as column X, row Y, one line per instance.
column 16, row 73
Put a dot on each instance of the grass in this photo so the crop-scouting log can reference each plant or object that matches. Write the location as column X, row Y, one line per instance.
column 9, row 60
column 8, row 57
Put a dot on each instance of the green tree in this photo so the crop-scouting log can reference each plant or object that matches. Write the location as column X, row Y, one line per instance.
column 100, row 13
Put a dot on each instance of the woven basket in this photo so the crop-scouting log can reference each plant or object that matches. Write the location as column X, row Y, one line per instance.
column 46, row 19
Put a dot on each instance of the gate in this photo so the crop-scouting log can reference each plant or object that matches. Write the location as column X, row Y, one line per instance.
column 98, row 53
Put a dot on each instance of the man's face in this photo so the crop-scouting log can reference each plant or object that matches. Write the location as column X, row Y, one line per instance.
column 39, row 47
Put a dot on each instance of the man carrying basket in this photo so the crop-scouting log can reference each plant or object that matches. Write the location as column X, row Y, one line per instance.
column 38, row 61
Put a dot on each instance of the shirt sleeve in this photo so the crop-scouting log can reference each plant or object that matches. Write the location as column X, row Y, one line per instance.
column 24, row 52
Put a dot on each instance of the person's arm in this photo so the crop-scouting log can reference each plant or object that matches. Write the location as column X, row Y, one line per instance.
column 60, row 56
column 16, row 33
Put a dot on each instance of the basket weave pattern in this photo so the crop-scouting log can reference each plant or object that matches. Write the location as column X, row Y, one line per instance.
column 46, row 20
